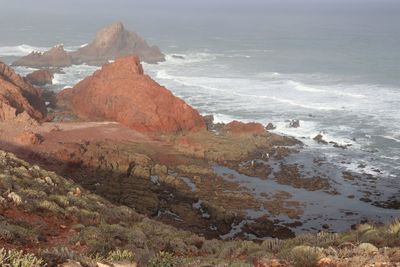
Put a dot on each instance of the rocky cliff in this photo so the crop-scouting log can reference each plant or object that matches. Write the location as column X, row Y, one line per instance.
column 121, row 92
column 19, row 100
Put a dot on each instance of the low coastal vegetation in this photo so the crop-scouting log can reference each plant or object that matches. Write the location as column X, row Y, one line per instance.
column 48, row 219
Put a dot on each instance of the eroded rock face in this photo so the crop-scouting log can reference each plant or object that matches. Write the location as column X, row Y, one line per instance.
column 121, row 92
column 55, row 57
column 237, row 127
column 19, row 100
column 40, row 77
column 115, row 41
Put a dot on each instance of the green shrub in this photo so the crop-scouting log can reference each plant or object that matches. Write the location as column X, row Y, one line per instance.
column 16, row 234
column 121, row 255
column 104, row 238
column 32, row 193
column 59, row 255
column 46, row 205
column 302, row 256
column 61, row 200
column 163, row 259
column 240, row 264
column 13, row 258
column 394, row 228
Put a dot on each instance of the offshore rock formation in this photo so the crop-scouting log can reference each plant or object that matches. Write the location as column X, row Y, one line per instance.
column 237, row 127
column 111, row 42
column 115, row 41
column 40, row 77
column 121, row 92
column 55, row 57
column 19, row 100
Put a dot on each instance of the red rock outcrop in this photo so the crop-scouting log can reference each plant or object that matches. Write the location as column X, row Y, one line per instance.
column 55, row 57
column 28, row 138
column 40, row 77
column 115, row 41
column 121, row 92
column 19, row 100
column 237, row 127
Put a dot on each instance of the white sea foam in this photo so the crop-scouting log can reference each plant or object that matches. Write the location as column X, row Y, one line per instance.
column 20, row 50
column 71, row 76
column 391, row 138
column 223, row 118
column 24, row 49
column 301, row 87
column 189, row 58
column 57, row 78
column 74, row 48
column 228, row 85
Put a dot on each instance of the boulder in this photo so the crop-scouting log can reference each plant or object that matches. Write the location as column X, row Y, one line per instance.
column 121, row 92
column 55, row 57
column 237, row 127
column 28, row 138
column 270, row 126
column 115, row 41
column 40, row 77
column 294, row 124
column 19, row 100
column 320, row 139
column 209, row 120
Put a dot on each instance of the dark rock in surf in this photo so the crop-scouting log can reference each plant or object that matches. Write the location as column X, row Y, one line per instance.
column 319, row 139
column 294, row 124
column 270, row 126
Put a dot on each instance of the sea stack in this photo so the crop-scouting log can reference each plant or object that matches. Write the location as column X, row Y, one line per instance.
column 115, row 41
column 121, row 92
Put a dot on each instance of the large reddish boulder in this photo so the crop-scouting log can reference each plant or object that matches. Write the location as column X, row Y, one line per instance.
column 238, row 127
column 115, row 41
column 27, row 138
column 55, row 57
column 40, row 77
column 19, row 100
column 121, row 92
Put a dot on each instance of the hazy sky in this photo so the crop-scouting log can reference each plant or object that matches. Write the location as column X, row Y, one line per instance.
column 78, row 6
column 152, row 17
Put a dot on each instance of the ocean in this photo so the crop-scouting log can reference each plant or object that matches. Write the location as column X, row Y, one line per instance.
column 333, row 66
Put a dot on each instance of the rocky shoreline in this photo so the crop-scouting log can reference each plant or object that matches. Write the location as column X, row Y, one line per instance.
column 212, row 179
column 120, row 136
